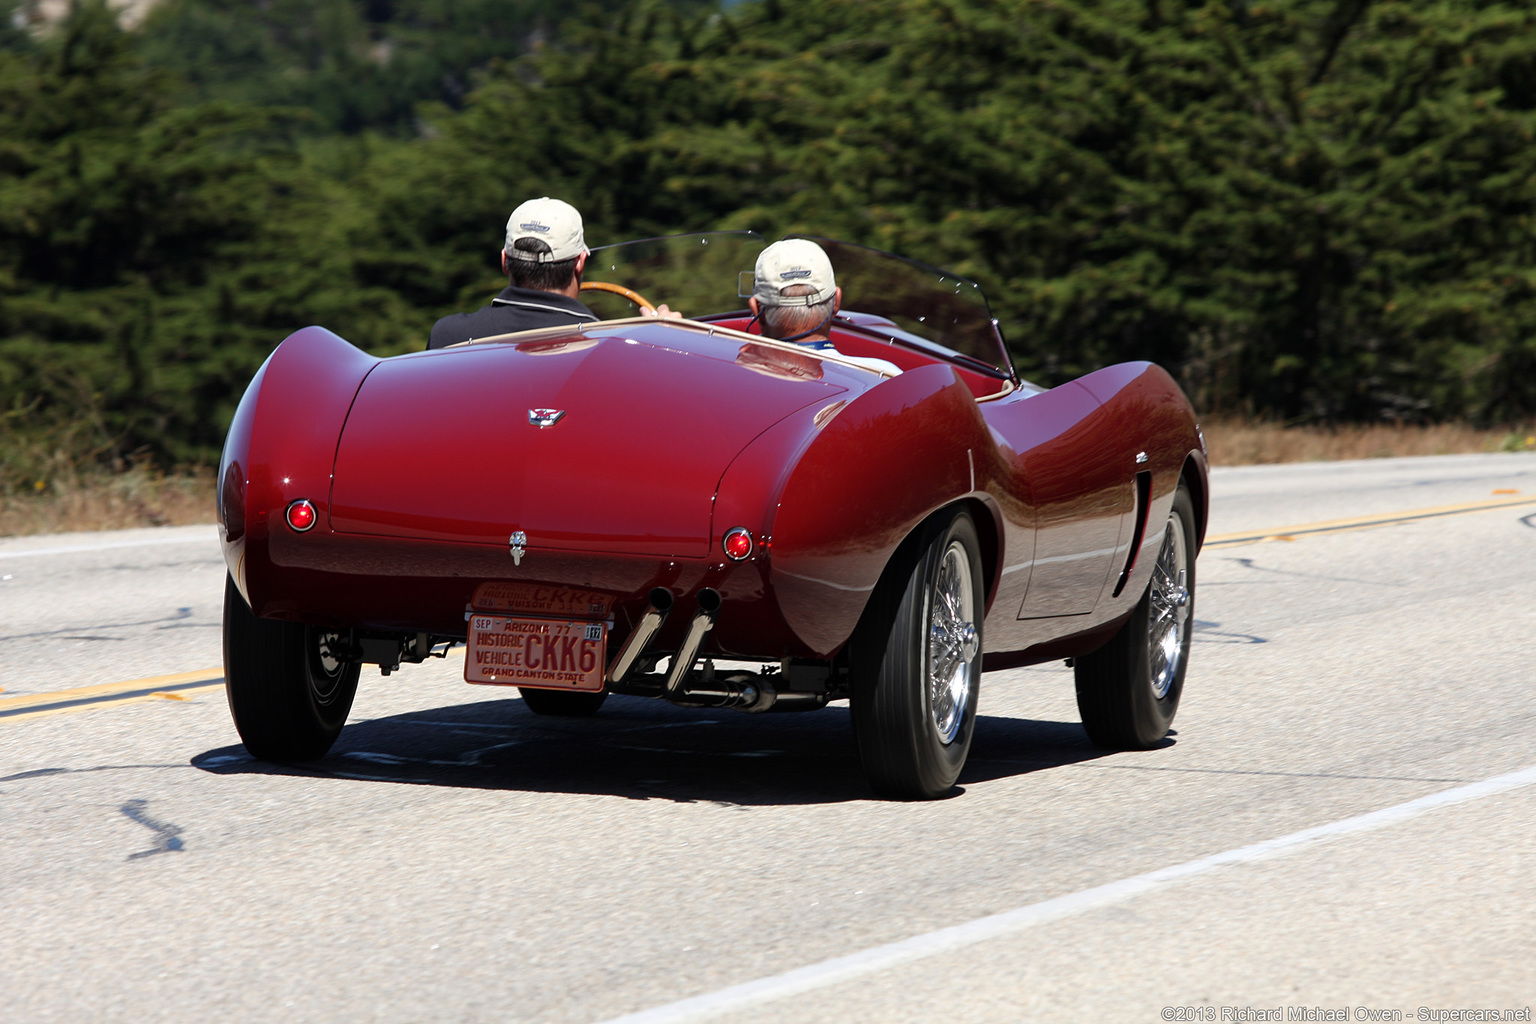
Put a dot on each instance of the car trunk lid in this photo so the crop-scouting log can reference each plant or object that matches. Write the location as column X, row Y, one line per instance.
column 611, row 443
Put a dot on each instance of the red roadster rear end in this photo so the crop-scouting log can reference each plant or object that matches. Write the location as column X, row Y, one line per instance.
column 623, row 507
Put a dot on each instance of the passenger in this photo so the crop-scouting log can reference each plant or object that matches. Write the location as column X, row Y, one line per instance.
column 795, row 298
column 544, row 256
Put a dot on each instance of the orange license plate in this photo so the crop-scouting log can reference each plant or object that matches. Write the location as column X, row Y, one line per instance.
column 554, row 654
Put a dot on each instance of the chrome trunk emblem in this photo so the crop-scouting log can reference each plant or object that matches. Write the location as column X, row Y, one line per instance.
column 545, row 417
column 519, row 542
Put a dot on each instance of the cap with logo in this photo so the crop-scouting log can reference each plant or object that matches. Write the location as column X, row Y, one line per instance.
column 790, row 262
column 553, row 222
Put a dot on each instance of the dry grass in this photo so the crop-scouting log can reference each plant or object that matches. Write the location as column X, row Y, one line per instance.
column 139, row 496
column 142, row 496
column 1248, row 442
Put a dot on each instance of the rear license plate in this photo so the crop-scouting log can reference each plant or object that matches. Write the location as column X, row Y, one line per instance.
column 554, row 654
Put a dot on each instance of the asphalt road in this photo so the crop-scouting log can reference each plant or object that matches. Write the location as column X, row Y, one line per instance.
column 1321, row 831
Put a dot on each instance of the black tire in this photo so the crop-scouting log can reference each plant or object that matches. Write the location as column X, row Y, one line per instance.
column 288, row 695
column 562, row 703
column 914, row 737
column 1129, row 689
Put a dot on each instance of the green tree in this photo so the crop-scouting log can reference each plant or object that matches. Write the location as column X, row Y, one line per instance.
column 1318, row 209
column 352, row 64
column 151, row 254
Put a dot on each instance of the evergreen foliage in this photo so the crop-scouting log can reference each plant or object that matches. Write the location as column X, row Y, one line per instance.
column 150, row 253
column 353, row 64
column 1317, row 209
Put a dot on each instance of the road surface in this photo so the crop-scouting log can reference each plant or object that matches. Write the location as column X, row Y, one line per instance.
column 1344, row 818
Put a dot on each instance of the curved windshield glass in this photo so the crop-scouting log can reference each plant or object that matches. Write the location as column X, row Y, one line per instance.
column 920, row 300
column 697, row 275
column 708, row 274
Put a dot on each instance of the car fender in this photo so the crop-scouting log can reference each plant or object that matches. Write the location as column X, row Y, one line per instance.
column 281, row 447
column 875, row 471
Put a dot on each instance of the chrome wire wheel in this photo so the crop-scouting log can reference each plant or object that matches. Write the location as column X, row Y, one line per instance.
column 289, row 685
column 952, row 642
column 327, row 671
column 915, row 663
column 1129, row 689
column 1168, row 608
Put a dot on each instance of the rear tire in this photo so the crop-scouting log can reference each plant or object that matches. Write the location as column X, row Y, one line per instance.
column 288, row 693
column 917, row 671
column 562, row 703
column 1129, row 689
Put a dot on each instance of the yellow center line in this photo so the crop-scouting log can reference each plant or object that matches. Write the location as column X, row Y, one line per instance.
column 84, row 698
column 1365, row 522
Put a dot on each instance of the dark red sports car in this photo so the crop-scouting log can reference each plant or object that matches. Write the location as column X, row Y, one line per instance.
column 686, row 510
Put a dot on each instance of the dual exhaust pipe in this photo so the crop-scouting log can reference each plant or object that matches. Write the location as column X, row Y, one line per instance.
column 698, row 629
column 658, row 607
column 741, row 690
column 660, row 603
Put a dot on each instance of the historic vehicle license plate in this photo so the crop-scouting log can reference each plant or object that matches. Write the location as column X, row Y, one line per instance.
column 551, row 653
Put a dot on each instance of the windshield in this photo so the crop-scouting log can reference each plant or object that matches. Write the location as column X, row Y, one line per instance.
column 925, row 301
column 696, row 275
column 710, row 274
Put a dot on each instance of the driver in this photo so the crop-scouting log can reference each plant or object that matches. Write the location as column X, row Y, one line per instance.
column 544, row 256
column 795, row 298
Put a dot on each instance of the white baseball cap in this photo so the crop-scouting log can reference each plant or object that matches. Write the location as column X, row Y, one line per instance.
column 792, row 261
column 553, row 222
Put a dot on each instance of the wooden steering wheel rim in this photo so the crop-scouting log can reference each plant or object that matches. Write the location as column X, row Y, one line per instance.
column 646, row 308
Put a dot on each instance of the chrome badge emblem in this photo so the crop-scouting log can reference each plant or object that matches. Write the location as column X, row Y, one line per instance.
column 545, row 417
column 519, row 542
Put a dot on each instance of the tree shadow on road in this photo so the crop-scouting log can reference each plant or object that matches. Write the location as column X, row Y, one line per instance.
column 646, row 750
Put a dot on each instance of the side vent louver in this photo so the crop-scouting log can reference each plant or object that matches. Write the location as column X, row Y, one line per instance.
column 1143, row 499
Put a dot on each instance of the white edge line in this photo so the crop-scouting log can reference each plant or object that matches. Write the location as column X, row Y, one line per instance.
column 110, row 545
column 945, row 940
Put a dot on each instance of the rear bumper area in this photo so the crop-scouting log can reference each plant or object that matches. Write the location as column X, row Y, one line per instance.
column 410, row 586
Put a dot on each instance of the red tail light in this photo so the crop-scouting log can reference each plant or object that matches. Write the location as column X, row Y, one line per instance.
column 737, row 543
column 301, row 515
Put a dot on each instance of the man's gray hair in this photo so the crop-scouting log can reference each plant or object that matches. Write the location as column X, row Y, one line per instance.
column 785, row 321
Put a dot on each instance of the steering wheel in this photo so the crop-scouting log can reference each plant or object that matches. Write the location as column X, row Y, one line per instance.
column 646, row 307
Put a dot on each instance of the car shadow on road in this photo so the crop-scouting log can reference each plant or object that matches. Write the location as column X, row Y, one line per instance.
column 644, row 750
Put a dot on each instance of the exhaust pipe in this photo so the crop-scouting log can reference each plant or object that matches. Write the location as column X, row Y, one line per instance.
column 753, row 694
column 698, row 629
column 644, row 632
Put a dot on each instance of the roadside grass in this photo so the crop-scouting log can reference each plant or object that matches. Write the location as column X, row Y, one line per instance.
column 1255, row 442
column 138, row 496
column 70, row 499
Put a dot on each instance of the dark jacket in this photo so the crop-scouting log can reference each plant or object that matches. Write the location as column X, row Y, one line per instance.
column 515, row 309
